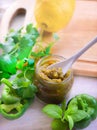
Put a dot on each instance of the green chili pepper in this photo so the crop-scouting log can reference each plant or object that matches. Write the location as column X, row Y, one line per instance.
column 86, row 103
column 8, row 94
column 14, row 111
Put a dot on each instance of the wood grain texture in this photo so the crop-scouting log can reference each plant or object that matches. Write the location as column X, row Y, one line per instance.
column 81, row 29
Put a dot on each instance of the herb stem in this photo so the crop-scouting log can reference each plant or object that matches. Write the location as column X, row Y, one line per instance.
column 7, row 82
column 14, row 49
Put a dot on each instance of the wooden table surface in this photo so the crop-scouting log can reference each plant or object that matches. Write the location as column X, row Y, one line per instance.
column 34, row 119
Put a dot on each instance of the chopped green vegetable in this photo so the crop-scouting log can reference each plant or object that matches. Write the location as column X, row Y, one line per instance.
column 14, row 111
column 16, row 96
column 9, row 107
column 18, row 54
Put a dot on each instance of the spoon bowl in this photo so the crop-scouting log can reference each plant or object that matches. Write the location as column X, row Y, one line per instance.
column 66, row 64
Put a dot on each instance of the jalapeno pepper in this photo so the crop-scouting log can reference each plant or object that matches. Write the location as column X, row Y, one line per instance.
column 14, row 111
column 86, row 103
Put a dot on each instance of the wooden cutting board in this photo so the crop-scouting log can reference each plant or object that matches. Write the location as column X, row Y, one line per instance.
column 81, row 29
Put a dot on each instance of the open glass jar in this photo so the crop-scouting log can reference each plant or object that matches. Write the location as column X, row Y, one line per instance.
column 50, row 91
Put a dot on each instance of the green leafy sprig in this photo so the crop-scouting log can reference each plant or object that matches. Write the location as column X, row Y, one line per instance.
column 64, row 117
column 18, row 46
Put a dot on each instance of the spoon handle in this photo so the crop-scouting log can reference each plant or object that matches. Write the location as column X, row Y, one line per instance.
column 66, row 64
column 86, row 47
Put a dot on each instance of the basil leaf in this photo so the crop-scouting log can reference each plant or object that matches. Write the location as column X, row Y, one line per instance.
column 71, row 122
column 71, row 110
column 79, row 115
column 76, row 114
column 53, row 111
column 63, row 106
column 57, row 124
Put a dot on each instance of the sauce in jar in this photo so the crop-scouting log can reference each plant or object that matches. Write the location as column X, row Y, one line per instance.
column 52, row 84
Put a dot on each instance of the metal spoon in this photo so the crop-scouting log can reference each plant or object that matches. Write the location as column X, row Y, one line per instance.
column 66, row 64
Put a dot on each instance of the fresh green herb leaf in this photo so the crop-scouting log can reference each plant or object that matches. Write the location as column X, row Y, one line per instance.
column 29, row 73
column 48, row 48
column 9, row 62
column 79, row 115
column 53, row 111
column 76, row 115
column 4, row 75
column 38, row 54
column 23, row 87
column 71, row 122
column 25, row 47
column 57, row 124
column 7, row 46
column 71, row 110
column 63, row 107
column 29, row 28
column 42, row 51
column 15, row 35
column 20, row 82
column 32, row 30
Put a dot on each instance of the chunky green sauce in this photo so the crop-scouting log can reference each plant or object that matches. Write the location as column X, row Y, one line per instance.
column 52, row 84
column 53, row 75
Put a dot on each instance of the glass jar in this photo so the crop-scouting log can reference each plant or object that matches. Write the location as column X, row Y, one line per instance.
column 50, row 91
